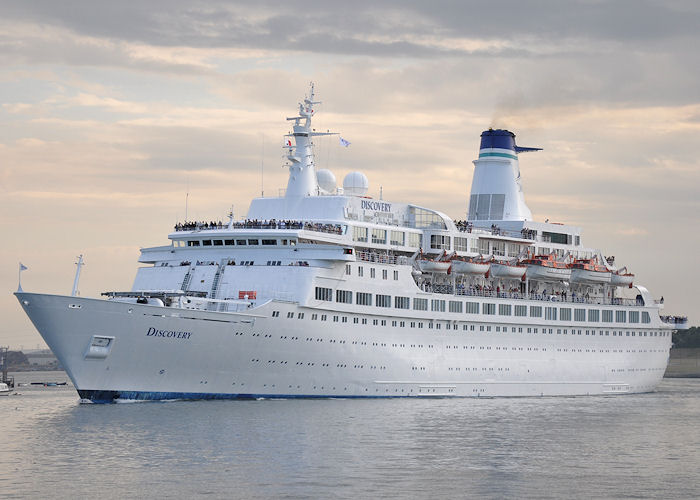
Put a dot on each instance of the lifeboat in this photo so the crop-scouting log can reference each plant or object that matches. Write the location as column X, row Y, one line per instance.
column 588, row 271
column 433, row 266
column 620, row 278
column 546, row 268
column 506, row 270
column 469, row 266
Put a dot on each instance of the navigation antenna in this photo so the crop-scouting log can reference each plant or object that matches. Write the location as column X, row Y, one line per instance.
column 80, row 264
column 262, row 169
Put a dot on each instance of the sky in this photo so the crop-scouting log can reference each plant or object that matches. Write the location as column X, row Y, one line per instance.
column 118, row 117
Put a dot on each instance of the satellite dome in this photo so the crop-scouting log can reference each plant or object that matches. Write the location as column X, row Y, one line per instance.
column 355, row 184
column 326, row 180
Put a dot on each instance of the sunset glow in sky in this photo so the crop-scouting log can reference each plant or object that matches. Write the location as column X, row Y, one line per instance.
column 112, row 111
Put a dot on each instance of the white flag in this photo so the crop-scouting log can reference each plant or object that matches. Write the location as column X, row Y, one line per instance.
column 343, row 142
column 22, row 267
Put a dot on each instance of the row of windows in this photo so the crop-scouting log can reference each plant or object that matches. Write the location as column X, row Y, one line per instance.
column 379, row 237
column 456, row 306
column 235, row 242
column 372, row 272
column 471, row 327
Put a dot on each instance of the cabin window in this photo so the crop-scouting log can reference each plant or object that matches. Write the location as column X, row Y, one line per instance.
column 437, row 305
column 439, row 242
column 420, row 304
column 535, row 311
column 504, row 309
column 621, row 316
column 593, row 315
column 206, row 243
column 579, row 315
column 396, row 275
column 193, row 243
column 550, row 313
column 383, row 300
column 499, row 247
column 414, row 240
column 397, row 238
column 269, row 242
column 379, row 236
column 218, row 243
column 359, row 234
column 402, row 302
column 360, row 271
column 363, row 299
column 461, row 244
column 372, row 272
column 489, row 308
column 634, row 316
column 565, row 313
column 228, row 243
column 343, row 296
column 324, row 294
column 607, row 316
column 252, row 242
column 240, row 242
column 455, row 306
column 348, row 269
column 472, row 307
column 521, row 310
column 484, row 247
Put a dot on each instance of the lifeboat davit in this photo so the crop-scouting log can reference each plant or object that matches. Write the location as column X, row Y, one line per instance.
column 433, row 266
column 505, row 270
column 469, row 266
column 588, row 271
column 546, row 268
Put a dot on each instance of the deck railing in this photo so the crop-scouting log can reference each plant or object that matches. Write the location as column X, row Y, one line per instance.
column 473, row 292
column 254, row 224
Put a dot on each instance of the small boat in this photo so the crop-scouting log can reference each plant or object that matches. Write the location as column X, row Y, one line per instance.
column 621, row 278
column 506, row 270
column 4, row 389
column 469, row 266
column 433, row 266
column 546, row 268
column 588, row 271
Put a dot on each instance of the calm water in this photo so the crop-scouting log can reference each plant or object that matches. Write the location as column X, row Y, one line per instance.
column 645, row 446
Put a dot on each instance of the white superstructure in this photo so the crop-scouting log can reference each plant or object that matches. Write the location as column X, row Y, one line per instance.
column 326, row 292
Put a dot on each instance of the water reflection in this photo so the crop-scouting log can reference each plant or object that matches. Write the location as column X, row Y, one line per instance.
column 637, row 445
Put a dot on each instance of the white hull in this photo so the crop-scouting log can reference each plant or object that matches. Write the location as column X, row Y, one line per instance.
column 507, row 272
column 472, row 268
column 543, row 273
column 211, row 355
column 590, row 277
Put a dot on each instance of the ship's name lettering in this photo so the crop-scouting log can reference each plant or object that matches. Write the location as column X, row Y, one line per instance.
column 378, row 206
column 154, row 332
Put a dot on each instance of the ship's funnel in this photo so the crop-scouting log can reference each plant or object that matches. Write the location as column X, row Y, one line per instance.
column 497, row 194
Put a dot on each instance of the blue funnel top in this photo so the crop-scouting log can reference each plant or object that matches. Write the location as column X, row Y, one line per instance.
column 502, row 139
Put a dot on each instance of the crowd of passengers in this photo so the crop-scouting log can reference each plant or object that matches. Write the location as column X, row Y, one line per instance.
column 674, row 319
column 467, row 227
column 262, row 224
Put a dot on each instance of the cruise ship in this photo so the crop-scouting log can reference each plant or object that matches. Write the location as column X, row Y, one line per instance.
column 327, row 292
